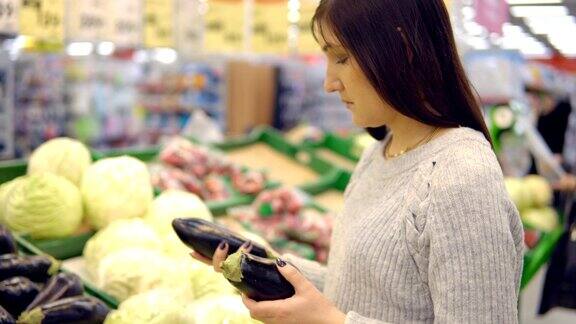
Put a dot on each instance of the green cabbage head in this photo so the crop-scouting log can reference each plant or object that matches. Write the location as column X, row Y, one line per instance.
column 120, row 234
column 173, row 204
column 217, row 310
column 128, row 272
column 5, row 190
column 44, row 206
column 157, row 306
column 116, row 188
column 63, row 156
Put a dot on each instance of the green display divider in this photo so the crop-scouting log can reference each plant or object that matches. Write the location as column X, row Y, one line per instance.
column 10, row 170
column 144, row 154
column 276, row 141
column 30, row 248
column 539, row 255
column 339, row 145
column 62, row 248
column 342, row 146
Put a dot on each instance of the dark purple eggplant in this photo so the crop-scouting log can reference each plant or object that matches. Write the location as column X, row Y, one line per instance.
column 37, row 268
column 17, row 293
column 60, row 286
column 5, row 317
column 71, row 310
column 261, row 280
column 204, row 237
column 7, row 242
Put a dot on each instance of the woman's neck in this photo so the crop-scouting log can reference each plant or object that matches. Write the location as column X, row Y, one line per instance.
column 407, row 132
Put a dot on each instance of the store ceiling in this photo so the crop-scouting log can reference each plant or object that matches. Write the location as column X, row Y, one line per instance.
column 552, row 24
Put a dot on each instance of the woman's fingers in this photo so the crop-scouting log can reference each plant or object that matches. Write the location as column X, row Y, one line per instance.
column 201, row 258
column 220, row 255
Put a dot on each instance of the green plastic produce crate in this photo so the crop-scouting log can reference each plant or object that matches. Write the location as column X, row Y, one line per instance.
column 342, row 146
column 29, row 248
column 63, row 248
column 143, row 154
column 271, row 138
column 10, row 170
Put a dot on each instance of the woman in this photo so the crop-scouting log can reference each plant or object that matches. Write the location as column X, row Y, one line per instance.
column 428, row 232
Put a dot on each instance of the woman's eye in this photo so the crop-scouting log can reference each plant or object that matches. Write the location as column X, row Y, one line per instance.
column 342, row 60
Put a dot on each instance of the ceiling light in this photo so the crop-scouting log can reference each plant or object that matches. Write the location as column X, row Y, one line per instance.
column 80, row 49
column 531, row 2
column 539, row 11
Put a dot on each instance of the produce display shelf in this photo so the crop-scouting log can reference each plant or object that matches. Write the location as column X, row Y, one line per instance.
column 29, row 248
column 309, row 205
column 150, row 154
column 275, row 140
column 539, row 255
column 340, row 145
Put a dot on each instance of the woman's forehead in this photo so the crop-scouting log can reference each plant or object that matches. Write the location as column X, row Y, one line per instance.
column 326, row 37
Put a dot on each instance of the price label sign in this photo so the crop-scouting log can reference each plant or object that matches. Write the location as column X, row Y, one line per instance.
column 270, row 26
column 306, row 42
column 158, row 23
column 224, row 26
column 9, row 16
column 123, row 23
column 87, row 19
column 42, row 19
column 190, row 25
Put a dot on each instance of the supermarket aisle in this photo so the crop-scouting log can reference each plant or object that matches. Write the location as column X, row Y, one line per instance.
column 531, row 300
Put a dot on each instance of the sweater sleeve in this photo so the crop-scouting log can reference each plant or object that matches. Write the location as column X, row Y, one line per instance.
column 473, row 235
column 355, row 318
column 313, row 271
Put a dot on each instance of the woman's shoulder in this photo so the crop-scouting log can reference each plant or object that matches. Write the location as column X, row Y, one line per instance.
column 468, row 154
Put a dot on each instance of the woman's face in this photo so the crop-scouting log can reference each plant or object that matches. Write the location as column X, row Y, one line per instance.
column 344, row 75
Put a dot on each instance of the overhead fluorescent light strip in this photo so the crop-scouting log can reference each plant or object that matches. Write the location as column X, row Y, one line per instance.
column 533, row 2
column 539, row 11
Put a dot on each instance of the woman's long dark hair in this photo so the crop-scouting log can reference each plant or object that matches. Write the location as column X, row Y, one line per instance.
column 407, row 51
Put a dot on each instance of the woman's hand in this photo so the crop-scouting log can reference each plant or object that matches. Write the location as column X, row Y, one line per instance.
column 566, row 184
column 307, row 305
column 220, row 255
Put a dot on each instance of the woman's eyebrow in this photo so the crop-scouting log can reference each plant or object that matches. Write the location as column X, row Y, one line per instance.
column 329, row 46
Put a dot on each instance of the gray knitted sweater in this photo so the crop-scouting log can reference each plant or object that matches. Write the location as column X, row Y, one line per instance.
column 430, row 236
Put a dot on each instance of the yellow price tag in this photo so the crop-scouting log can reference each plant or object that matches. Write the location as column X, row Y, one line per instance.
column 306, row 42
column 42, row 19
column 124, row 23
column 8, row 16
column 86, row 19
column 270, row 28
column 224, row 29
column 190, row 25
column 158, row 23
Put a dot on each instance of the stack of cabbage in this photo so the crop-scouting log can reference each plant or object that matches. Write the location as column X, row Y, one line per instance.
column 532, row 196
column 143, row 264
column 61, row 183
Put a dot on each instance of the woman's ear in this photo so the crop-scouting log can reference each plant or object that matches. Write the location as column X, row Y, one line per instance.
column 408, row 49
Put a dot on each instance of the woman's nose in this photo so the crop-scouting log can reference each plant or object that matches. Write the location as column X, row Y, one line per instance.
column 332, row 85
